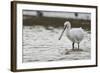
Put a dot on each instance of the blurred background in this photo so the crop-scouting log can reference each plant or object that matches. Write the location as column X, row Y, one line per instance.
column 56, row 19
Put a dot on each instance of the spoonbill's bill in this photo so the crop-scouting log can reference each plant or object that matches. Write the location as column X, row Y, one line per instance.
column 74, row 34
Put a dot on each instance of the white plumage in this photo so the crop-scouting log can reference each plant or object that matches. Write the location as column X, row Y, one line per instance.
column 74, row 34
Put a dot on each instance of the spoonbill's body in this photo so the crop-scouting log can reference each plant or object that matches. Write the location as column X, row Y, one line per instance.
column 74, row 34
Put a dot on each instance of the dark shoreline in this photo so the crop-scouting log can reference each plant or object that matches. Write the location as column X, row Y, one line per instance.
column 55, row 22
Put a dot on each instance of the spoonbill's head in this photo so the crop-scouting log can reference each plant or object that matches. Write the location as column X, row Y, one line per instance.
column 67, row 25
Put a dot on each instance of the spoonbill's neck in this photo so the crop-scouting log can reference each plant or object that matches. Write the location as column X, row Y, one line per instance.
column 67, row 24
column 68, row 30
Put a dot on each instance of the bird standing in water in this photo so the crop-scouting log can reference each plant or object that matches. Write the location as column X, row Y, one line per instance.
column 74, row 34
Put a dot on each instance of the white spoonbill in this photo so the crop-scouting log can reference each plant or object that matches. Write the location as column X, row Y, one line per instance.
column 74, row 34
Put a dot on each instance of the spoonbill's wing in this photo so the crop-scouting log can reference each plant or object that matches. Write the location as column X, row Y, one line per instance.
column 76, row 34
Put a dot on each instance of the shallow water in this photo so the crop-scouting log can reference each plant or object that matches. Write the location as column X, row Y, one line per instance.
column 41, row 44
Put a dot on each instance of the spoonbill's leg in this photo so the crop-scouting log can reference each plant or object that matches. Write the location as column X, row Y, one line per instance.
column 73, row 45
column 78, row 46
